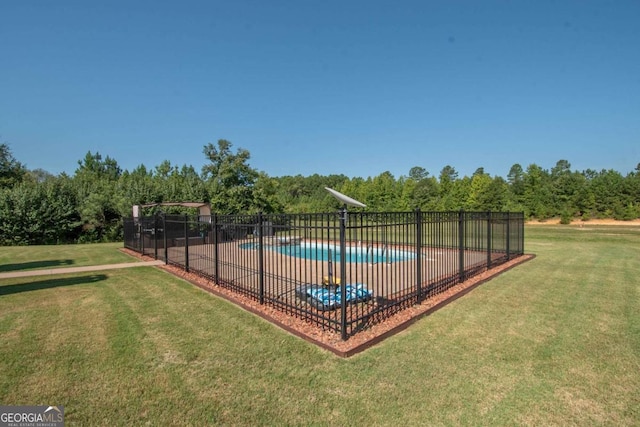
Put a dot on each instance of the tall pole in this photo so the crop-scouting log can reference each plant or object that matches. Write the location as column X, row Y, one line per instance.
column 343, row 256
column 343, row 272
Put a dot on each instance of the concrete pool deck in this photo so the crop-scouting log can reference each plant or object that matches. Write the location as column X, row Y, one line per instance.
column 283, row 273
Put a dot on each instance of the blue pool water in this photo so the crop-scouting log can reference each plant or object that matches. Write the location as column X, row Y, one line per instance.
column 321, row 251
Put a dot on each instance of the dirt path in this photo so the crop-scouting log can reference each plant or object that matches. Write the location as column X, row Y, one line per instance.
column 83, row 269
column 579, row 223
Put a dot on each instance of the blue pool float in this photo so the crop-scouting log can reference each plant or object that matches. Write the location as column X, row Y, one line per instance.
column 356, row 293
column 328, row 298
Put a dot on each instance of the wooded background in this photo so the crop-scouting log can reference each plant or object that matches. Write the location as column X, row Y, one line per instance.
column 37, row 207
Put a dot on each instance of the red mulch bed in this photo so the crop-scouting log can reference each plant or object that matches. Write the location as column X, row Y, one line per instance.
column 330, row 340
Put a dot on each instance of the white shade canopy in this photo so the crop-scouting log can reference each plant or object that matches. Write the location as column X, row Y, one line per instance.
column 345, row 199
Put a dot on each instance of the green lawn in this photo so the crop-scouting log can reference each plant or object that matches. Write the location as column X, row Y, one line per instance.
column 19, row 258
column 554, row 341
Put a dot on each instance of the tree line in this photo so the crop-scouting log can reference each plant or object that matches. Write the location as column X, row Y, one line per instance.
column 37, row 207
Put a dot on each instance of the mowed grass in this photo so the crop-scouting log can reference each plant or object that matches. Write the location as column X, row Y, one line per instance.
column 554, row 341
column 20, row 258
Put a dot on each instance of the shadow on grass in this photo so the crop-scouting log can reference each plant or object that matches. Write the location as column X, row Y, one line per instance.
column 32, row 265
column 50, row 283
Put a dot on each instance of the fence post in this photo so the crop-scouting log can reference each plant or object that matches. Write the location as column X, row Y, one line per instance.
column 155, row 236
column 508, row 236
column 142, row 228
column 343, row 273
column 164, row 237
column 521, row 234
column 260, row 257
column 186, row 243
column 214, row 225
column 489, row 237
column 461, row 245
column 418, row 217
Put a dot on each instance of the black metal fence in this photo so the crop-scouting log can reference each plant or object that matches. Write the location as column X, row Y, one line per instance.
column 298, row 263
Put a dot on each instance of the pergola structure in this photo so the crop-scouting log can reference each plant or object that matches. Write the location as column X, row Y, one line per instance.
column 204, row 209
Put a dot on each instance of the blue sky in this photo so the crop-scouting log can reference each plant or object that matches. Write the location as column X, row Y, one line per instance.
column 328, row 87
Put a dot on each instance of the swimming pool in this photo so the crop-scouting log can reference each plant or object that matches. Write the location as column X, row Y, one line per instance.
column 324, row 251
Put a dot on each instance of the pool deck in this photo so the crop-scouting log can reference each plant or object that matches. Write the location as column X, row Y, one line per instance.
column 238, row 267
